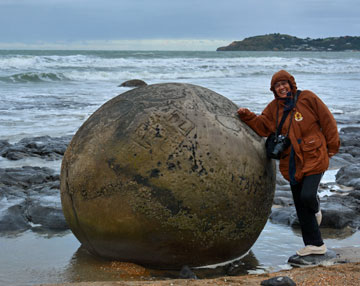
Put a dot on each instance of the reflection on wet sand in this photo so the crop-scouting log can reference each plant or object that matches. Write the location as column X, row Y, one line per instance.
column 86, row 267
column 37, row 258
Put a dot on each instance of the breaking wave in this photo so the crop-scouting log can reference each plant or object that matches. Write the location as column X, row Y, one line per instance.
column 115, row 66
column 33, row 77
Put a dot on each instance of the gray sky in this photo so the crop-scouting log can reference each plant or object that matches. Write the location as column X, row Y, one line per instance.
column 167, row 24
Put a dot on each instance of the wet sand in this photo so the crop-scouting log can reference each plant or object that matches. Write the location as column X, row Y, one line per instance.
column 345, row 271
column 342, row 274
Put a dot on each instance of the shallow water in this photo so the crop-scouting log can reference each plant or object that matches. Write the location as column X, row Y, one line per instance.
column 35, row 258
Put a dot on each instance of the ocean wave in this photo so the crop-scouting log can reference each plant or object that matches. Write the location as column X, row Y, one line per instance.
column 336, row 111
column 181, row 62
column 33, row 77
column 24, row 62
column 95, row 67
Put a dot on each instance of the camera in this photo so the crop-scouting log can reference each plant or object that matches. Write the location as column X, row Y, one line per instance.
column 281, row 143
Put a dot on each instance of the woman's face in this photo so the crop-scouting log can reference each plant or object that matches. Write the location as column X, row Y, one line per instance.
column 282, row 88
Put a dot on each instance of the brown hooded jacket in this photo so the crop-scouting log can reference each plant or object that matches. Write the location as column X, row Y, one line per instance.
column 313, row 134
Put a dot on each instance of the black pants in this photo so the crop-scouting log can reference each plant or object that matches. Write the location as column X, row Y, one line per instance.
column 307, row 204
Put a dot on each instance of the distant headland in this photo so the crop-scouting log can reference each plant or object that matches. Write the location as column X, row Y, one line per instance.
column 283, row 42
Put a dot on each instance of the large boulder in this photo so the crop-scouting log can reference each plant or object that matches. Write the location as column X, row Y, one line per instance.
column 167, row 176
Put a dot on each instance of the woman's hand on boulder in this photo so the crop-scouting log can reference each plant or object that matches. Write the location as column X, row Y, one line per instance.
column 242, row 111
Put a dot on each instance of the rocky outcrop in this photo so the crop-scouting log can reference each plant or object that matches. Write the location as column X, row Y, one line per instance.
column 45, row 147
column 349, row 153
column 349, row 176
column 338, row 212
column 29, row 199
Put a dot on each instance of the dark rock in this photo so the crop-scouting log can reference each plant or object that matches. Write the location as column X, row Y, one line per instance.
column 49, row 148
column 48, row 217
column 355, row 194
column 349, row 176
column 355, row 183
column 283, row 201
column 284, row 188
column 283, row 196
column 338, row 212
column 26, row 176
column 313, row 259
column 133, row 83
column 280, row 180
column 352, row 150
column 350, row 129
column 13, row 220
column 348, row 138
column 187, row 273
column 3, row 144
column 349, row 152
column 343, row 119
column 284, row 215
column 341, row 160
column 240, row 266
column 33, row 200
column 278, row 281
column 12, row 193
column 336, row 216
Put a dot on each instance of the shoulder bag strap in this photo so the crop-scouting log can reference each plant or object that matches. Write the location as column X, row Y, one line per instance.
column 285, row 114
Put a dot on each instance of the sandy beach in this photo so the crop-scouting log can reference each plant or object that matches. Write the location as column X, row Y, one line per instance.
column 342, row 274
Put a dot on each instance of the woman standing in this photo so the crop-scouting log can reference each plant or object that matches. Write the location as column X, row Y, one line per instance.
column 314, row 138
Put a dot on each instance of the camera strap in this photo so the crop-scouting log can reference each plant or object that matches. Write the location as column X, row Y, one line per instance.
column 285, row 114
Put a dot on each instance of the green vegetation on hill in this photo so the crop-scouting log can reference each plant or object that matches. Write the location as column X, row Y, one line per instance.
column 283, row 42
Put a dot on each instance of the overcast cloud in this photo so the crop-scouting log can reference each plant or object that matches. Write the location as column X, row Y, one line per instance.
column 202, row 23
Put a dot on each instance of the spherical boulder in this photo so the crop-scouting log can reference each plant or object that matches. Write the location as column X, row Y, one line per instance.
column 166, row 175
